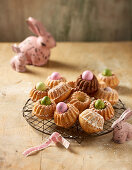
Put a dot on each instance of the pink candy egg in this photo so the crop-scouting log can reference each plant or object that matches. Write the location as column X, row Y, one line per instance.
column 55, row 76
column 87, row 75
column 61, row 107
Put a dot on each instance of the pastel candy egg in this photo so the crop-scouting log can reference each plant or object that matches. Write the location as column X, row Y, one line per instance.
column 61, row 107
column 107, row 72
column 87, row 75
column 99, row 104
column 55, row 76
column 45, row 101
column 40, row 86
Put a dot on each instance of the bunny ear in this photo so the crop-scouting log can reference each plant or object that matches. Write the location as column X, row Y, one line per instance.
column 35, row 26
column 125, row 115
column 16, row 49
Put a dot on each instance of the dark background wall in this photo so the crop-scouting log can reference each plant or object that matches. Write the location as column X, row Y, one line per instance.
column 68, row 20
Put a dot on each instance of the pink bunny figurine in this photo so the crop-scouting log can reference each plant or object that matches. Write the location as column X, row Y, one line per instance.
column 122, row 131
column 18, row 62
column 37, row 48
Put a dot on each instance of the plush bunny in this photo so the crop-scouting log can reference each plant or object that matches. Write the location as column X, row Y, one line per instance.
column 122, row 131
column 37, row 48
column 18, row 62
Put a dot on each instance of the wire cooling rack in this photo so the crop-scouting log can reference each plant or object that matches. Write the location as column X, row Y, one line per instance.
column 74, row 132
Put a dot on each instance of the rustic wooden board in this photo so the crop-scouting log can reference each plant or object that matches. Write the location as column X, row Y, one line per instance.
column 70, row 59
column 68, row 20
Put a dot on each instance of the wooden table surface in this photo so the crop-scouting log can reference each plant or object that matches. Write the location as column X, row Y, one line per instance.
column 70, row 59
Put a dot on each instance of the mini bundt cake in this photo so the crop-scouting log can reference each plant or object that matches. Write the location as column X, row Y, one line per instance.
column 39, row 91
column 108, row 94
column 60, row 92
column 102, row 107
column 54, row 79
column 80, row 100
column 110, row 79
column 91, row 121
column 44, row 108
column 65, row 115
column 87, row 82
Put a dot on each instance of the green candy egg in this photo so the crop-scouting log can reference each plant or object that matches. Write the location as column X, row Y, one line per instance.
column 107, row 72
column 45, row 101
column 99, row 104
column 40, row 86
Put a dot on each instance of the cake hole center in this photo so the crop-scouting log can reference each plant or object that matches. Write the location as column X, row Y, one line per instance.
column 81, row 98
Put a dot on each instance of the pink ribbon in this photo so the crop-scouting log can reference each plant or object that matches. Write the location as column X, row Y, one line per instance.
column 55, row 137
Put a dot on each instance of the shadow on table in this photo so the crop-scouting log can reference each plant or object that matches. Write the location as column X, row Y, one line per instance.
column 52, row 64
column 31, row 71
column 59, row 64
